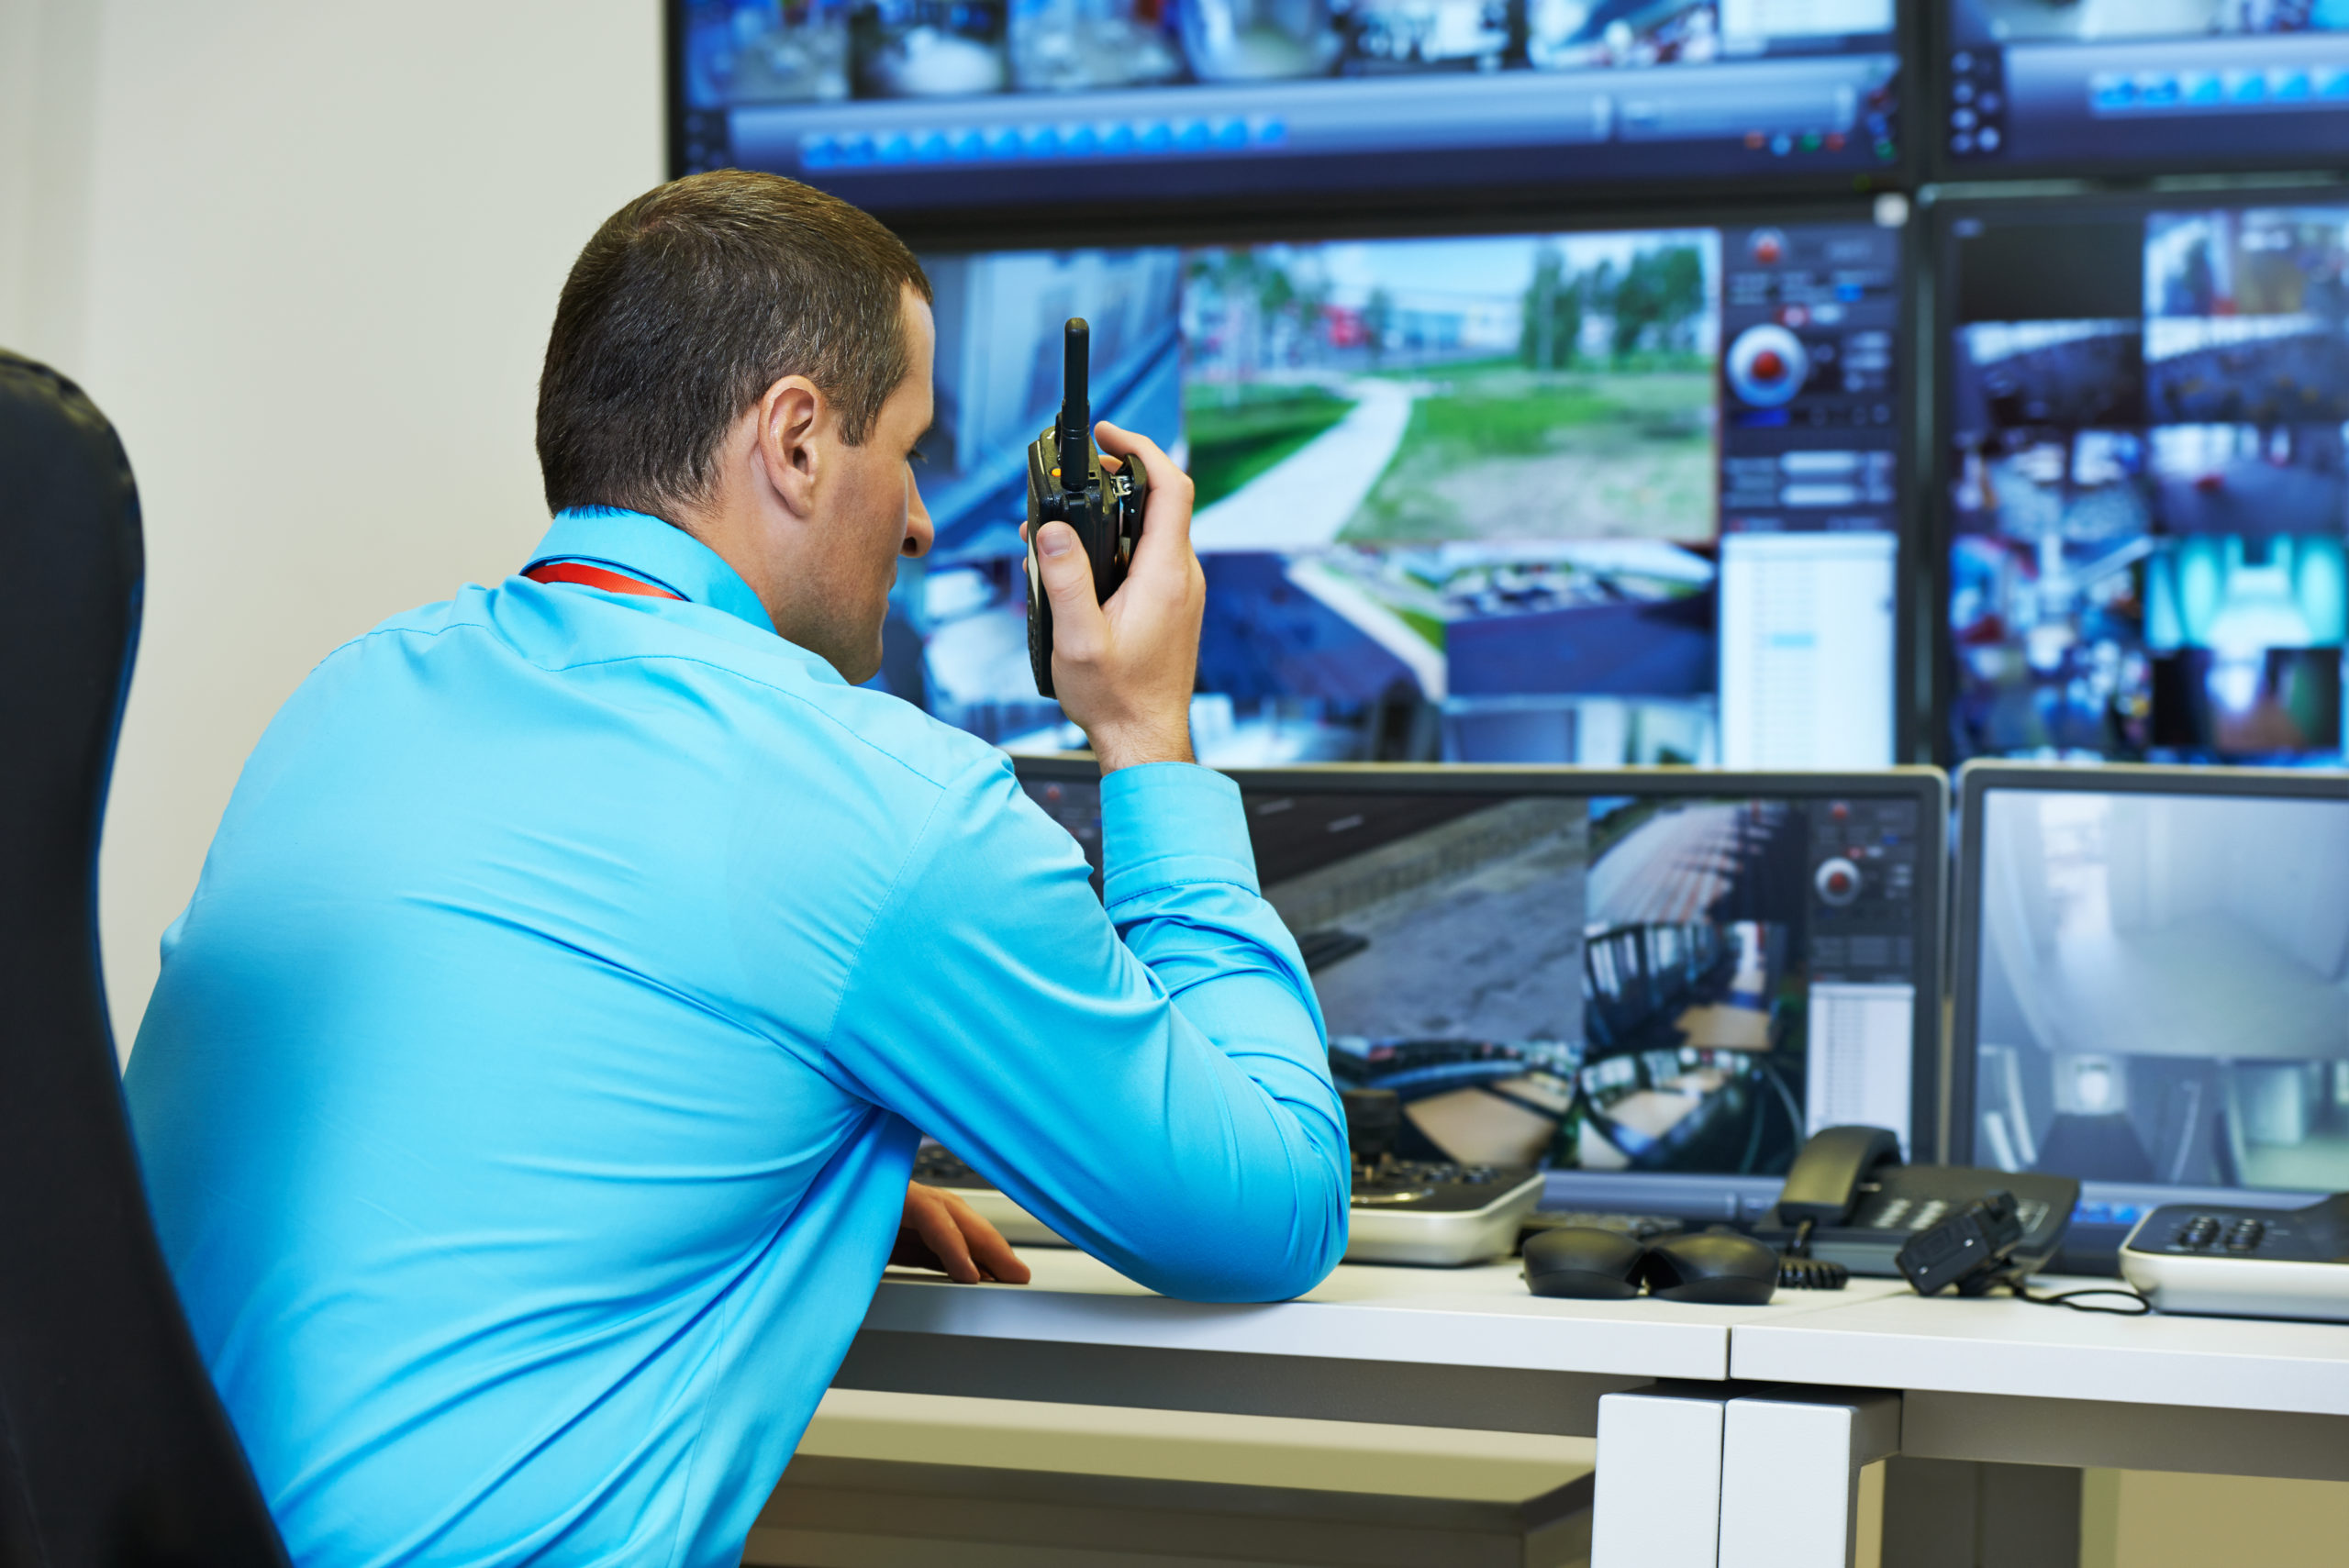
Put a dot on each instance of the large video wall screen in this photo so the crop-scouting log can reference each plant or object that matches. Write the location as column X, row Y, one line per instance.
column 957, row 104
column 2148, row 482
column 1607, row 498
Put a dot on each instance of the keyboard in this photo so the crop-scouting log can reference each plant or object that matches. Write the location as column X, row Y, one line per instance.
column 1405, row 1211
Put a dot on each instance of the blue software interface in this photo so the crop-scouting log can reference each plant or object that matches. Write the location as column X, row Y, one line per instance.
column 1617, row 986
column 2161, row 996
column 908, row 103
column 2107, row 84
column 1598, row 497
column 2148, row 422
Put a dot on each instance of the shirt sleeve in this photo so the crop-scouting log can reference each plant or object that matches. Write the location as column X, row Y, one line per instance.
column 1147, row 1073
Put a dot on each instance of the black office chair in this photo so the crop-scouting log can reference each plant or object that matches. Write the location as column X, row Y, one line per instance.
column 114, row 1450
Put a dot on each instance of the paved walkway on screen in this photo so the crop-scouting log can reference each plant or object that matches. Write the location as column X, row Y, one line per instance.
column 1301, row 502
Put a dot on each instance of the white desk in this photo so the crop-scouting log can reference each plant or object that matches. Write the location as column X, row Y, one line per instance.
column 1729, row 1436
column 1481, row 1316
column 1462, row 1348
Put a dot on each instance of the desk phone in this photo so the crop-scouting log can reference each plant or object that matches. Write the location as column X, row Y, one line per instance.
column 1863, row 1204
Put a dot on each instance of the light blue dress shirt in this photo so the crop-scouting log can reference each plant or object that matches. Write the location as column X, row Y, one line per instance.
column 528, row 1100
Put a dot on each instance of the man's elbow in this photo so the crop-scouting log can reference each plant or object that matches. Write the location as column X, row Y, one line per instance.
column 1271, row 1258
column 1302, row 1268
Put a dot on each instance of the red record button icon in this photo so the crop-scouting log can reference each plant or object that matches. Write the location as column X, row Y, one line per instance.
column 1767, row 366
column 1838, row 881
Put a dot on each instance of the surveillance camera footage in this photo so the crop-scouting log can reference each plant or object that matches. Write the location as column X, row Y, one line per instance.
column 2163, row 989
column 2107, row 84
column 2151, row 552
column 1511, row 498
column 1639, row 983
column 914, row 104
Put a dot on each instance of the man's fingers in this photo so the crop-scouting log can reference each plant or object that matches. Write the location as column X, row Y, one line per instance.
column 1060, row 560
column 1166, row 521
column 933, row 1220
column 1129, row 443
column 986, row 1245
column 961, row 1242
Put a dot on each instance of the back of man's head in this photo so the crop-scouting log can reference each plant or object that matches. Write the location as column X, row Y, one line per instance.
column 687, row 305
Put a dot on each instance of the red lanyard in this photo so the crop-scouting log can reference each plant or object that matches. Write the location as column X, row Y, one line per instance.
column 595, row 577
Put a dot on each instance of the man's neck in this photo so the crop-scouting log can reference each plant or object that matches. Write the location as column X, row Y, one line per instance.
column 724, row 530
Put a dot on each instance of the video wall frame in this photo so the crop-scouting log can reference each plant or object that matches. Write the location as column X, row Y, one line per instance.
column 1927, row 659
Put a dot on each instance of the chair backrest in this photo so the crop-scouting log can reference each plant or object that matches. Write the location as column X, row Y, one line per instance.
column 114, row 1448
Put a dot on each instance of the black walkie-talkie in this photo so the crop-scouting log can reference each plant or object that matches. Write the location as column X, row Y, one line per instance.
column 1067, row 485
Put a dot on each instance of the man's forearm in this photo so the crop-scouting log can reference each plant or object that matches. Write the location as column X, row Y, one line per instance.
column 1116, row 749
column 1179, row 882
column 1157, row 1092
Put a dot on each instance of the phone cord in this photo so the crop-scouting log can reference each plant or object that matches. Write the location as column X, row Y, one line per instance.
column 2139, row 1304
column 1797, row 1270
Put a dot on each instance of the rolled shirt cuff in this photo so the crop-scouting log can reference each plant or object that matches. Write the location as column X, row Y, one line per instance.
column 1163, row 823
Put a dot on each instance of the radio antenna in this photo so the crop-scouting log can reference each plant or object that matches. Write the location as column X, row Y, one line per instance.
column 1077, row 413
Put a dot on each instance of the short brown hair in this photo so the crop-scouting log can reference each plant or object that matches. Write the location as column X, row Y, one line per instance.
column 688, row 303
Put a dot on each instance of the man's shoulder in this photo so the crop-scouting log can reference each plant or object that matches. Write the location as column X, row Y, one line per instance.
column 899, row 731
column 717, row 655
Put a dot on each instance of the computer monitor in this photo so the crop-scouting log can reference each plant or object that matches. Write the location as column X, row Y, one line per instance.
column 1614, row 497
column 2152, row 982
column 2144, row 477
column 1655, row 983
column 918, row 106
column 2108, row 86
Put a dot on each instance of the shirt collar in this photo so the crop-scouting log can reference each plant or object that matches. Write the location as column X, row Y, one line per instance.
column 658, row 552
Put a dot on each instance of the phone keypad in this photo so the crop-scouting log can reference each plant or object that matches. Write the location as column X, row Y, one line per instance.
column 1892, row 1212
column 2240, row 1236
column 2318, row 1234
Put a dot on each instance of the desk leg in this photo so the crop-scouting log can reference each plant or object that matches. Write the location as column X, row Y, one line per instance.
column 1949, row 1512
column 1658, row 1497
column 1790, row 1474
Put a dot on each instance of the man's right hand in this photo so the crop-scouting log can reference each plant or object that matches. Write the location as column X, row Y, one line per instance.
column 1124, row 670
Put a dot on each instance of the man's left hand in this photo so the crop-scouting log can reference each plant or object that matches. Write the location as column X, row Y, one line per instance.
column 942, row 1232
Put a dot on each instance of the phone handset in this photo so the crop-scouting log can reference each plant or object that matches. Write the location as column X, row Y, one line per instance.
column 1849, row 1198
column 1828, row 1178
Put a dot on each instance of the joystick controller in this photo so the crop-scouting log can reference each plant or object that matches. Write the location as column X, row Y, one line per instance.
column 1066, row 483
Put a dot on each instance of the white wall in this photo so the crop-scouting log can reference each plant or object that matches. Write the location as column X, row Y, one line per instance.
column 48, row 59
column 304, row 252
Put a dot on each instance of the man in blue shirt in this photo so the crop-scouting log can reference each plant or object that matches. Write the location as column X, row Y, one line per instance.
column 528, row 1096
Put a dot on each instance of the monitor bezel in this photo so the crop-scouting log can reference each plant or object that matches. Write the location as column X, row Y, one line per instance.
column 1054, row 223
column 1911, row 742
column 1930, row 157
column 1927, row 787
column 1976, row 782
column 1934, row 283
column 1074, row 226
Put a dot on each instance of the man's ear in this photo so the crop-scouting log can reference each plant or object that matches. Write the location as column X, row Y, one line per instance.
column 790, row 413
